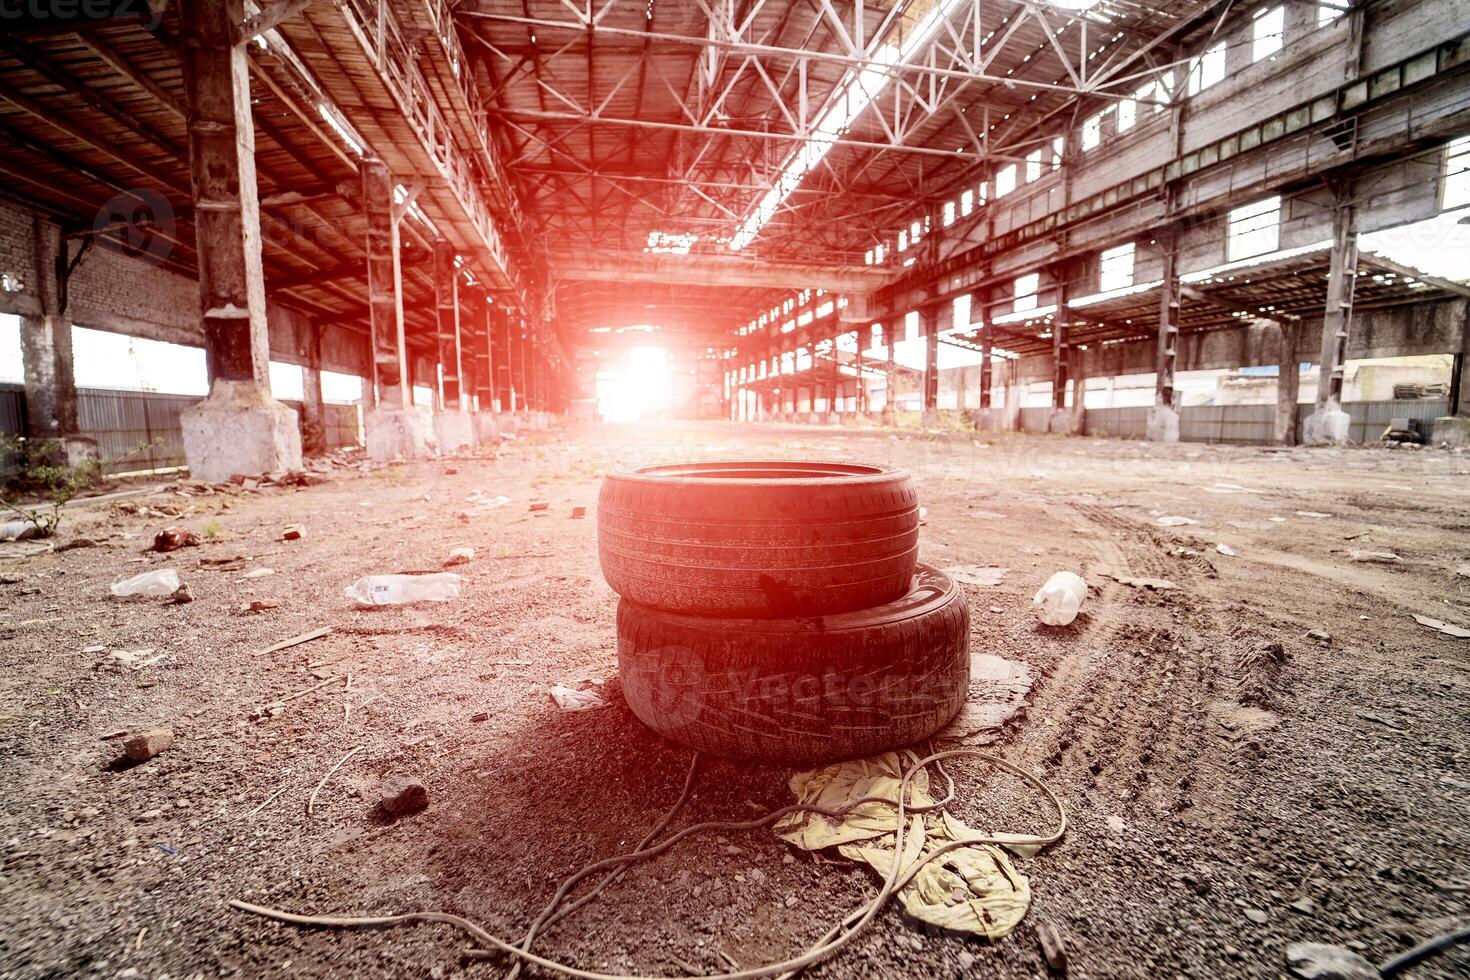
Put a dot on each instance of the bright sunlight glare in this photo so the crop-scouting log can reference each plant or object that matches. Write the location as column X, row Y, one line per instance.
column 636, row 386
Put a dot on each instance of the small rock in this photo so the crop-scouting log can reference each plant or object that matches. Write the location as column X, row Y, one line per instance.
column 399, row 795
column 579, row 512
column 1116, row 824
column 539, row 505
column 790, row 901
column 259, row 573
column 480, row 716
column 1052, row 946
column 1320, row 636
column 181, row 595
column 462, row 555
column 173, row 538
column 293, row 532
column 967, row 959
column 145, row 745
column 1321, row 961
column 1304, row 905
column 1256, row 916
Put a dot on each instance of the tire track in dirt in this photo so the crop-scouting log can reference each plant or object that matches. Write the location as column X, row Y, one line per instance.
column 1133, row 700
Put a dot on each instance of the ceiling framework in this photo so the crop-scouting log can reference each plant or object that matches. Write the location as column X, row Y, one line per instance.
column 93, row 124
column 630, row 129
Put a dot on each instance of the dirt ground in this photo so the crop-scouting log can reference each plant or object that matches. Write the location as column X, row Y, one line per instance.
column 1226, row 797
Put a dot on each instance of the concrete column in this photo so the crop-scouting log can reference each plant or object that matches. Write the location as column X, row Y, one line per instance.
column 1288, row 386
column 891, row 381
column 1163, row 421
column 453, row 427
column 394, row 429
column 861, row 392
column 1078, row 372
column 1011, row 422
column 479, row 341
column 1454, row 429
column 929, row 326
column 1328, row 424
column 239, row 427
column 834, row 390
column 500, row 360
column 1062, row 420
column 46, row 356
column 313, row 410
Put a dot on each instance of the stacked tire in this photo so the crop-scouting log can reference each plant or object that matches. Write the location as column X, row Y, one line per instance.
column 777, row 610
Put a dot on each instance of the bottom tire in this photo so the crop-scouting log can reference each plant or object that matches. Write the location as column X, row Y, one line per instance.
column 800, row 690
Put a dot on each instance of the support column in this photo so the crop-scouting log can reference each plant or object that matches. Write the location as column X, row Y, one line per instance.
column 313, row 410
column 239, row 427
column 929, row 326
column 500, row 357
column 1162, row 424
column 890, row 401
column 481, row 343
column 46, row 356
column 453, row 428
column 1288, row 385
column 519, row 394
column 394, row 429
column 1454, row 428
column 861, row 391
column 1328, row 424
column 1063, row 420
column 985, row 420
column 834, row 390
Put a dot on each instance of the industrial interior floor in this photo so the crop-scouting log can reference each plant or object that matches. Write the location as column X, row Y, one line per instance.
column 1227, row 797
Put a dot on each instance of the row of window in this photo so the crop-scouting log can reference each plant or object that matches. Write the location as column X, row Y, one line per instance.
column 1268, row 31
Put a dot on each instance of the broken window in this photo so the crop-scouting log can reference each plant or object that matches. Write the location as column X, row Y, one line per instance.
column 1026, row 289
column 1208, row 69
column 1116, row 268
column 1254, row 229
column 1267, row 32
column 1091, row 131
column 1455, row 191
column 1005, row 180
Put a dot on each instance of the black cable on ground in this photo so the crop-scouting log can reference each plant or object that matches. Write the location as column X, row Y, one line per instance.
column 1425, row 950
column 837, row 937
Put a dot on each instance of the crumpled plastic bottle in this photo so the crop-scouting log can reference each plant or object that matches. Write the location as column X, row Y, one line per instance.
column 157, row 582
column 1059, row 600
column 395, row 590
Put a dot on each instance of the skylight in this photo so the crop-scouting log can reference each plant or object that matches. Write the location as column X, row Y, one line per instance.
column 855, row 94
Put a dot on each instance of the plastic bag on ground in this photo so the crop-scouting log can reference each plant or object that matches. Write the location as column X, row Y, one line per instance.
column 157, row 582
column 971, row 889
column 395, row 590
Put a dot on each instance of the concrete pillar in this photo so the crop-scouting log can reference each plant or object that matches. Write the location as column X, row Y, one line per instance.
column 477, row 321
column 834, row 384
column 1062, row 420
column 929, row 327
column 453, row 427
column 1288, row 386
column 239, row 427
column 500, row 360
column 313, row 409
column 1011, row 419
column 1162, row 424
column 861, row 335
column 1078, row 372
column 1328, row 424
column 890, row 399
column 1454, row 429
column 394, row 429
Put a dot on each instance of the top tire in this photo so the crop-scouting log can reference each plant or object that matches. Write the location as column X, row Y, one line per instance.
column 764, row 539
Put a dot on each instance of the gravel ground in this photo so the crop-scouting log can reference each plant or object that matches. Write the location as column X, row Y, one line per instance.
column 1233, row 783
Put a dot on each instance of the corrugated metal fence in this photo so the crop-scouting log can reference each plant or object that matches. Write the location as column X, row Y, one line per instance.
column 139, row 430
